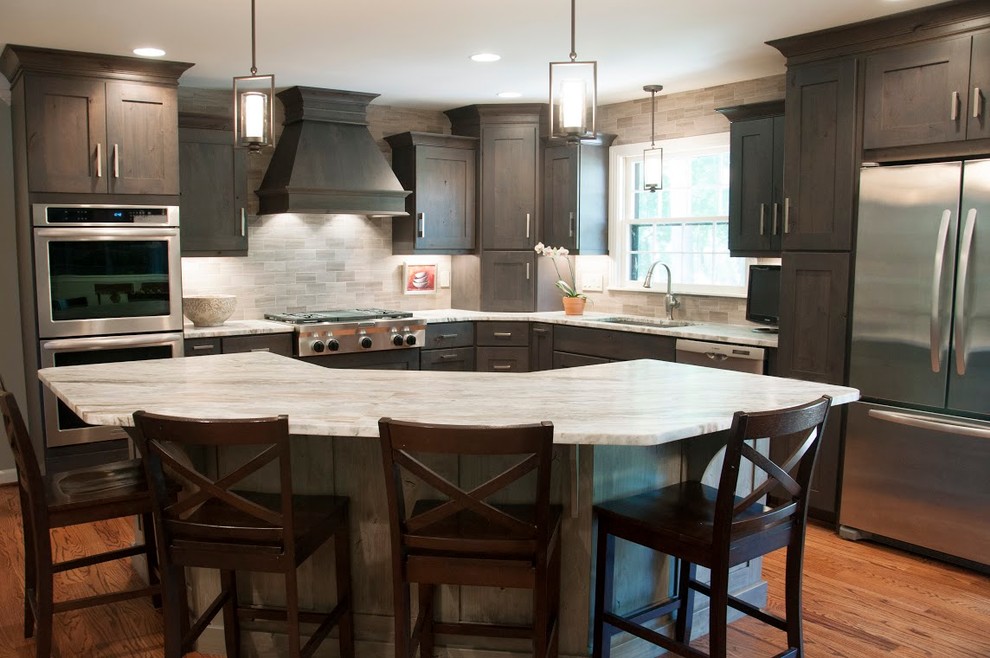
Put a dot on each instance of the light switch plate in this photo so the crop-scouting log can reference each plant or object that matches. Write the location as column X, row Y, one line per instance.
column 444, row 278
column 591, row 282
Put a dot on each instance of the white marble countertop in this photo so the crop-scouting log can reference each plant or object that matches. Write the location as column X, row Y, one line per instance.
column 722, row 333
column 642, row 402
column 236, row 328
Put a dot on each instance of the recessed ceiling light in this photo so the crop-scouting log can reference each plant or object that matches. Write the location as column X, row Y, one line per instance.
column 509, row 94
column 149, row 52
column 486, row 57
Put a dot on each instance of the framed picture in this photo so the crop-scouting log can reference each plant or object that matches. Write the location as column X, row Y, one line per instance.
column 419, row 279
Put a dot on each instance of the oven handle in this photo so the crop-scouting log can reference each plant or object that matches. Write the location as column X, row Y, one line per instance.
column 105, row 342
column 102, row 233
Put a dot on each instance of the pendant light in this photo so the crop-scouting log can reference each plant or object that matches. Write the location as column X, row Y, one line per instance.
column 573, row 95
column 653, row 156
column 254, row 97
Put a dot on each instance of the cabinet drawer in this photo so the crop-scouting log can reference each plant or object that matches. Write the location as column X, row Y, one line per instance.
column 497, row 334
column 611, row 344
column 503, row 359
column 458, row 358
column 449, row 334
column 277, row 343
column 568, row 360
column 201, row 346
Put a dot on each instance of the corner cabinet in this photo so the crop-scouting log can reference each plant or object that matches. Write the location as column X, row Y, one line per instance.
column 96, row 124
column 821, row 164
column 928, row 93
column 213, row 183
column 575, row 195
column 508, row 280
column 756, row 173
column 440, row 170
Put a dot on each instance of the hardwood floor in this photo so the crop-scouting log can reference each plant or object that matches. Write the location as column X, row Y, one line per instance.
column 861, row 600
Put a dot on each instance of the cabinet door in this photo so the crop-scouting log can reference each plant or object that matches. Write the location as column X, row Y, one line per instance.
column 979, row 88
column 568, row 360
column 457, row 358
column 751, row 171
column 507, row 281
column 540, row 346
column 277, row 343
column 561, row 169
column 917, row 94
column 445, row 180
column 142, row 125
column 66, row 135
column 213, row 202
column 509, row 159
column 503, row 359
column 820, row 161
column 814, row 312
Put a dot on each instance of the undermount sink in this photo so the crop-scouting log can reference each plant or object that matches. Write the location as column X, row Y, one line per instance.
column 640, row 322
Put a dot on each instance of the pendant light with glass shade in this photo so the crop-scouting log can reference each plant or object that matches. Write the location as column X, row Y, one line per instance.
column 573, row 95
column 653, row 156
column 254, row 97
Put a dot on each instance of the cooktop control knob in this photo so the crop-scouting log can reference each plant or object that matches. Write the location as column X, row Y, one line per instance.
column 397, row 340
column 333, row 345
column 410, row 339
column 318, row 346
column 366, row 342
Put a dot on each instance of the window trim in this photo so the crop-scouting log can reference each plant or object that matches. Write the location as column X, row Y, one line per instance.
column 618, row 239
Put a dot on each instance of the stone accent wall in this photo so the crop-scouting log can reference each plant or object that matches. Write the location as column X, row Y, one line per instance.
column 313, row 262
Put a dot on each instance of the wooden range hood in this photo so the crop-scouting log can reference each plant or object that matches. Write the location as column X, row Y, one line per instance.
column 326, row 161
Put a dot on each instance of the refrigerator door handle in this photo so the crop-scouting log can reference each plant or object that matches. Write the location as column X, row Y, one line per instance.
column 935, row 337
column 960, row 324
column 952, row 427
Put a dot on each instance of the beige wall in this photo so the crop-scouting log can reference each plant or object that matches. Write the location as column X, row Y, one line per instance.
column 311, row 262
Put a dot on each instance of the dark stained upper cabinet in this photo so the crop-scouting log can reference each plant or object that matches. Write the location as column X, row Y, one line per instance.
column 821, row 165
column 441, row 172
column 508, row 280
column 756, row 172
column 96, row 124
column 918, row 94
column 575, row 195
column 213, row 180
column 979, row 81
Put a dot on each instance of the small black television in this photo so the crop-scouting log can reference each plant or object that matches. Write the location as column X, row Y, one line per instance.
column 763, row 296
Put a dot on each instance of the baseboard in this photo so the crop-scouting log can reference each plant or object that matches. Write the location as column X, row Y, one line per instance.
column 8, row 475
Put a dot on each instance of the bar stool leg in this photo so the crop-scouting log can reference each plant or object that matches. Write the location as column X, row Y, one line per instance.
column 427, row 597
column 30, row 575
column 44, row 599
column 400, row 596
column 792, row 595
column 151, row 556
column 685, row 611
column 604, row 571
column 292, row 612
column 174, row 609
column 342, row 574
column 231, row 625
column 718, row 611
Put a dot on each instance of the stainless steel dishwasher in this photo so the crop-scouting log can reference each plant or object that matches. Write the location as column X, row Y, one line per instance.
column 741, row 358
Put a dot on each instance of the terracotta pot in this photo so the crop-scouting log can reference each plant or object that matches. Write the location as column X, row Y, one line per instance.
column 574, row 305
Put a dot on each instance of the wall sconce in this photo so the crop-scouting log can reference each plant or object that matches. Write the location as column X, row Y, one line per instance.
column 573, row 95
column 254, row 97
column 653, row 156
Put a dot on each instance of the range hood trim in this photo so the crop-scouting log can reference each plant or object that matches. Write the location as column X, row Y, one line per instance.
column 326, row 161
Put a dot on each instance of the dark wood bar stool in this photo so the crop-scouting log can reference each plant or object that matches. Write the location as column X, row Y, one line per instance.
column 68, row 498
column 215, row 526
column 452, row 534
column 714, row 528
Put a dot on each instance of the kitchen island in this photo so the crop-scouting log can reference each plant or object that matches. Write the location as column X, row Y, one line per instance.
column 622, row 428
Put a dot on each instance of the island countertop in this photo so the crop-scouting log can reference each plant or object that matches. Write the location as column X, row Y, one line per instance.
column 641, row 402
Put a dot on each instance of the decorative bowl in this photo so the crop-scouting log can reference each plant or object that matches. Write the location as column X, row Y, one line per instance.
column 208, row 310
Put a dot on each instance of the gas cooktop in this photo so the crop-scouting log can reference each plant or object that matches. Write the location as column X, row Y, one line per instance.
column 340, row 315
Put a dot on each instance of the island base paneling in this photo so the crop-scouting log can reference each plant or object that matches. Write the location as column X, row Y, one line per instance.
column 583, row 475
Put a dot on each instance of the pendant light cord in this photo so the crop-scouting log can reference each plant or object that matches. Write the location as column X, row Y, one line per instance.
column 653, row 118
column 573, row 49
column 254, row 67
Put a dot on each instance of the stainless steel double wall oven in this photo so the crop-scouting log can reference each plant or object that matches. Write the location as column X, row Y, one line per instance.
column 108, row 288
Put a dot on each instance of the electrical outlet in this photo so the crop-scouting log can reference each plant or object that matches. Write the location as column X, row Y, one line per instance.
column 592, row 282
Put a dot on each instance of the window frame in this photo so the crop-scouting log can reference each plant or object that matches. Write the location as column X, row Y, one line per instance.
column 620, row 195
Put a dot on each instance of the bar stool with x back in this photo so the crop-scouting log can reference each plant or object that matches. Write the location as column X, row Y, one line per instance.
column 57, row 500
column 457, row 534
column 217, row 527
column 714, row 528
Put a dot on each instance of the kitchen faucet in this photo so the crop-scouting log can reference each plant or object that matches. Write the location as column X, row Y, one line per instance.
column 669, row 302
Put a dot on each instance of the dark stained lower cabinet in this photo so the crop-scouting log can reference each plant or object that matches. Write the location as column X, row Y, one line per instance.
column 814, row 316
column 568, row 360
column 406, row 359
column 502, row 359
column 502, row 346
column 448, row 346
column 280, row 343
column 213, row 179
column 454, row 358
column 540, row 346
column 611, row 345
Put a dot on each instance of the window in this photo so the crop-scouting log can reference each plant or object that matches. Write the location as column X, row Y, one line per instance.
column 684, row 225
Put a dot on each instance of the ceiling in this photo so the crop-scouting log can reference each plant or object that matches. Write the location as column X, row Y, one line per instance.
column 415, row 52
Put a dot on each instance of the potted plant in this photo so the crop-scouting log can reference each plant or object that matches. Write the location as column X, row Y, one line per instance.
column 573, row 300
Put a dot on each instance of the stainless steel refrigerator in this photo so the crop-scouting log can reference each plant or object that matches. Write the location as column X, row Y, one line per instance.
column 916, row 465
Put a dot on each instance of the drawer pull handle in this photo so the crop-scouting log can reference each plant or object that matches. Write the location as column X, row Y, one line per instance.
column 502, row 334
column 99, row 160
column 527, row 228
column 539, row 330
column 446, row 357
column 243, row 222
column 204, row 347
column 502, row 367
column 447, row 336
column 261, row 349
